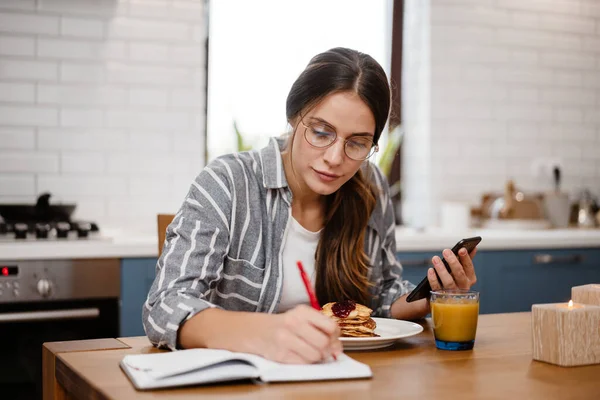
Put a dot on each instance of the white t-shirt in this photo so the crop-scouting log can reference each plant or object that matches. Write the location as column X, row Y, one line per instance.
column 300, row 245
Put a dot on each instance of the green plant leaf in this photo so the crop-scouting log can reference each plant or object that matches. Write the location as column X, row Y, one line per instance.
column 241, row 143
column 390, row 150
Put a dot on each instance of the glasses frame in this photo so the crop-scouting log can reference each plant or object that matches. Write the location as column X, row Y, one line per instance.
column 374, row 147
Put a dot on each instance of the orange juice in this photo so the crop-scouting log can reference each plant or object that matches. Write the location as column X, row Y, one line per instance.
column 454, row 322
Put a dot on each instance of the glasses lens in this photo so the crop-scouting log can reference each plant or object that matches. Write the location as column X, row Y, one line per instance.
column 359, row 148
column 319, row 135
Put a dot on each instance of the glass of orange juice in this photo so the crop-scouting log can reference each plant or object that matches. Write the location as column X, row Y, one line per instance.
column 454, row 314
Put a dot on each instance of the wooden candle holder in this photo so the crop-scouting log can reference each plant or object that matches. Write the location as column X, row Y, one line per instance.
column 566, row 335
column 586, row 294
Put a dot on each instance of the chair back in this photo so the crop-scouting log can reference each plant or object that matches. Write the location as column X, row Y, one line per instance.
column 163, row 221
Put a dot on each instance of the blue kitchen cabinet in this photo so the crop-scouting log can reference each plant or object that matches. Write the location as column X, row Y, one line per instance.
column 509, row 281
column 514, row 280
column 415, row 265
column 137, row 275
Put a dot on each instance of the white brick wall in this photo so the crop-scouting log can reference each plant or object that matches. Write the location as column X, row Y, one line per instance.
column 17, row 138
column 416, row 86
column 102, row 103
column 17, row 46
column 511, row 81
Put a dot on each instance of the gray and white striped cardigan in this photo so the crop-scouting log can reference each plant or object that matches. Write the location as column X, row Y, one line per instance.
column 224, row 246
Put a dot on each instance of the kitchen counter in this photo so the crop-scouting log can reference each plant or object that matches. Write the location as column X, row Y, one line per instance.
column 408, row 239
column 114, row 243
column 119, row 243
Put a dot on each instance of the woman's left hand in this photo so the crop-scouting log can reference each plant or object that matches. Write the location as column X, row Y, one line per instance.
column 463, row 272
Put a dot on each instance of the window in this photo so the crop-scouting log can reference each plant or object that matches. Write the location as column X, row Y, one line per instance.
column 258, row 48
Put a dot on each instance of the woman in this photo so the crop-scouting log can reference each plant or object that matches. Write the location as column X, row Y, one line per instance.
column 227, row 277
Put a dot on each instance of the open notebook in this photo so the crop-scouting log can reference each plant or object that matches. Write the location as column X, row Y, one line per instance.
column 198, row 366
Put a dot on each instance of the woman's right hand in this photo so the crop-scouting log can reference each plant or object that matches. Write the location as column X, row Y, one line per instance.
column 301, row 335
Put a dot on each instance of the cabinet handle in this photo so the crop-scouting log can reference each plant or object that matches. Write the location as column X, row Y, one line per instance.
column 415, row 263
column 550, row 259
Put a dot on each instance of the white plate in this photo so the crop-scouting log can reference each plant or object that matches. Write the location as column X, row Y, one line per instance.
column 389, row 330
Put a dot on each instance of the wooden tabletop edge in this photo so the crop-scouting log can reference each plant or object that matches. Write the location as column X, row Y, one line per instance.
column 85, row 345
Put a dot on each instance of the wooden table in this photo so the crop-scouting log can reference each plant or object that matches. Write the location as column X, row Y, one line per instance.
column 500, row 367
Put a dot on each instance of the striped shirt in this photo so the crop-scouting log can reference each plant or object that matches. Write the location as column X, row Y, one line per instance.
column 224, row 247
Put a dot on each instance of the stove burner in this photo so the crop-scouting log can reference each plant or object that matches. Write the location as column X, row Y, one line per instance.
column 20, row 230
column 41, row 230
column 62, row 230
column 83, row 229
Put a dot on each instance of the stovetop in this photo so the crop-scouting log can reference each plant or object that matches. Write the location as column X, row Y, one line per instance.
column 48, row 231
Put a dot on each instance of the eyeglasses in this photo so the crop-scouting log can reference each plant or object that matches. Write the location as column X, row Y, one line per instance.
column 321, row 135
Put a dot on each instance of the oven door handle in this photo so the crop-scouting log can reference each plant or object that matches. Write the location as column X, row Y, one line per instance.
column 78, row 313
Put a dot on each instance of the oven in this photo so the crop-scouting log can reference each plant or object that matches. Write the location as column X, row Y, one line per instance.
column 46, row 301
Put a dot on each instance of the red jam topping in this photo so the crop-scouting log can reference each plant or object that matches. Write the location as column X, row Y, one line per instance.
column 342, row 309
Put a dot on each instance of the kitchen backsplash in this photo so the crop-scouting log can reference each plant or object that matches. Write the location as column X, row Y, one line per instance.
column 102, row 104
column 498, row 89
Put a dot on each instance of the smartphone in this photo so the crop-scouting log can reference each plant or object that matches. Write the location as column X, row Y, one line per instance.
column 423, row 289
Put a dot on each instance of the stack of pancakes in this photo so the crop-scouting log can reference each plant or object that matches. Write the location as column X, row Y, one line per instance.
column 357, row 323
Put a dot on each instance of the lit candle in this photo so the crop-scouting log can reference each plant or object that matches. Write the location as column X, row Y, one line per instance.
column 571, row 305
column 566, row 334
column 586, row 294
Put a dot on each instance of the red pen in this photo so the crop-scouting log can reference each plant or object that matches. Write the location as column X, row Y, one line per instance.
column 311, row 294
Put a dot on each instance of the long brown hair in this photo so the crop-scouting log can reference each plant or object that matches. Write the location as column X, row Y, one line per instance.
column 341, row 263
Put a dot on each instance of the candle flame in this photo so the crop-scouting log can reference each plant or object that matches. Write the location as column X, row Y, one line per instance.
column 570, row 303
